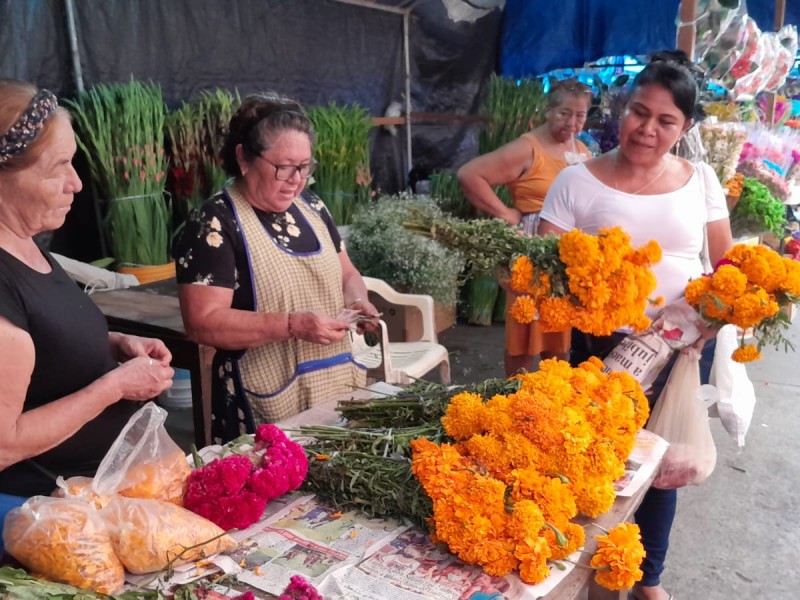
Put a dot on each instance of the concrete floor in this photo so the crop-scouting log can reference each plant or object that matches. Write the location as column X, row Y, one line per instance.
column 734, row 536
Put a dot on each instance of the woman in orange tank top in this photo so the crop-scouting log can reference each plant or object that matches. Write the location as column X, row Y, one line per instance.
column 528, row 166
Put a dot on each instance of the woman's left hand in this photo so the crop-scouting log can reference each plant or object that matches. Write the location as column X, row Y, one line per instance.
column 125, row 347
column 370, row 315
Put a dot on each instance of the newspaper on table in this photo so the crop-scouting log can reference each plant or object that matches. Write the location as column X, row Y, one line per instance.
column 350, row 555
column 648, row 450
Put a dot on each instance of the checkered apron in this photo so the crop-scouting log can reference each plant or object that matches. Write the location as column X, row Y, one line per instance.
column 283, row 378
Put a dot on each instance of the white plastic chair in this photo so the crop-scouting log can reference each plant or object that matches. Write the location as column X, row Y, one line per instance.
column 401, row 362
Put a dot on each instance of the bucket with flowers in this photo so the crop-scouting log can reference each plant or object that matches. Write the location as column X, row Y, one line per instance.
column 120, row 129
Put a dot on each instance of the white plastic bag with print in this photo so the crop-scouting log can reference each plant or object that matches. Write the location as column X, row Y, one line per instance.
column 681, row 417
column 736, row 396
column 144, row 462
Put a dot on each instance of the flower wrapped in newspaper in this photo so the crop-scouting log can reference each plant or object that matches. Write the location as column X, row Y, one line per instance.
column 504, row 474
column 596, row 284
column 747, row 289
column 233, row 491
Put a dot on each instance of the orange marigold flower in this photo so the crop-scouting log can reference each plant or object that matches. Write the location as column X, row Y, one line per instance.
column 523, row 310
column 555, row 313
column 533, row 553
column 747, row 353
column 465, row 416
column 522, row 275
column 618, row 557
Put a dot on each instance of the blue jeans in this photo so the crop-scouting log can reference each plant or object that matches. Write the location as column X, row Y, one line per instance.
column 6, row 504
column 657, row 510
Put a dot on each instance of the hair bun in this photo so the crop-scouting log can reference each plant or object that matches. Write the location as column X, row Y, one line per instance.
column 678, row 57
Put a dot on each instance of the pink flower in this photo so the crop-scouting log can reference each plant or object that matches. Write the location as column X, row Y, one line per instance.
column 300, row 589
column 248, row 595
column 217, row 492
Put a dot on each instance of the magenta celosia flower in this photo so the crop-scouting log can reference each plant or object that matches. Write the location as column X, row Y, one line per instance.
column 233, row 494
column 217, row 492
column 248, row 595
column 300, row 589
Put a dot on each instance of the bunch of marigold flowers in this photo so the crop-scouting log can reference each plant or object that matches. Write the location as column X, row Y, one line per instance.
column 596, row 284
column 523, row 465
column 748, row 288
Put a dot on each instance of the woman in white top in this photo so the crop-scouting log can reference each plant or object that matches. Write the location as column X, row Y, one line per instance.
column 652, row 195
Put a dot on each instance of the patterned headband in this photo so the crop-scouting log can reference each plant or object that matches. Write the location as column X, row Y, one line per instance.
column 28, row 126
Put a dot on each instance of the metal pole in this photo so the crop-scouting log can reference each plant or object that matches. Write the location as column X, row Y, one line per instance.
column 73, row 45
column 686, row 33
column 408, row 92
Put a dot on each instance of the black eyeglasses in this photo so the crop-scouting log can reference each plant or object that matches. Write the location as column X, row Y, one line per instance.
column 286, row 172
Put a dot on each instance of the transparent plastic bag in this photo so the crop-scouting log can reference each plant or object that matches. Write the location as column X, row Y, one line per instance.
column 149, row 535
column 784, row 57
column 80, row 488
column 64, row 540
column 681, row 417
column 144, row 462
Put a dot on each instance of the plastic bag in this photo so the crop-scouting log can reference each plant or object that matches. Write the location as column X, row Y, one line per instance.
column 736, row 396
column 80, row 488
column 681, row 418
column 144, row 462
column 148, row 534
column 64, row 540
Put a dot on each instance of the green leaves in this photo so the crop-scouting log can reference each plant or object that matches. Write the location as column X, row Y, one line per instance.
column 120, row 129
column 513, row 107
column 757, row 211
column 342, row 178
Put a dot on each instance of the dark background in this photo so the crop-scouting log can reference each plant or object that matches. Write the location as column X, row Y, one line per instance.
column 322, row 51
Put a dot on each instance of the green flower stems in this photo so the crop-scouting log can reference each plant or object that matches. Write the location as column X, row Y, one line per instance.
column 120, row 129
column 342, row 178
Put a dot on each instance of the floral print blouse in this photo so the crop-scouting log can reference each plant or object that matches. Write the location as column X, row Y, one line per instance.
column 211, row 250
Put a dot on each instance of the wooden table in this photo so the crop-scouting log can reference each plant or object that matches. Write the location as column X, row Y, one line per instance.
column 152, row 310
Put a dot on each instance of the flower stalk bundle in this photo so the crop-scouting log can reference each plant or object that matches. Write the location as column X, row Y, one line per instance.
column 120, row 129
column 342, row 179
column 748, row 288
column 504, row 474
column 233, row 491
column 196, row 132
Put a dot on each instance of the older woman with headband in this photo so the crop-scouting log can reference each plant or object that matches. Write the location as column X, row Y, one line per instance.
column 528, row 166
column 652, row 195
column 67, row 382
column 263, row 276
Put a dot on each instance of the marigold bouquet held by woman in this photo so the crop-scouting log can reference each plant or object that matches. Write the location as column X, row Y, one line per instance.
column 596, row 284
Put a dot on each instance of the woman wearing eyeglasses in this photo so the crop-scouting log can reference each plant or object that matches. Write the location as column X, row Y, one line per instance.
column 263, row 273
column 528, row 165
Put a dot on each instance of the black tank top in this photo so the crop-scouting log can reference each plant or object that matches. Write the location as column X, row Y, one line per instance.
column 70, row 337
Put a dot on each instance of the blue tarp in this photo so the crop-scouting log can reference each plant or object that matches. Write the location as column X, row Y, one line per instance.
column 541, row 35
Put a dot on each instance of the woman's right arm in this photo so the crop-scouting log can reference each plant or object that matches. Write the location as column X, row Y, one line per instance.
column 507, row 163
column 30, row 433
column 210, row 320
